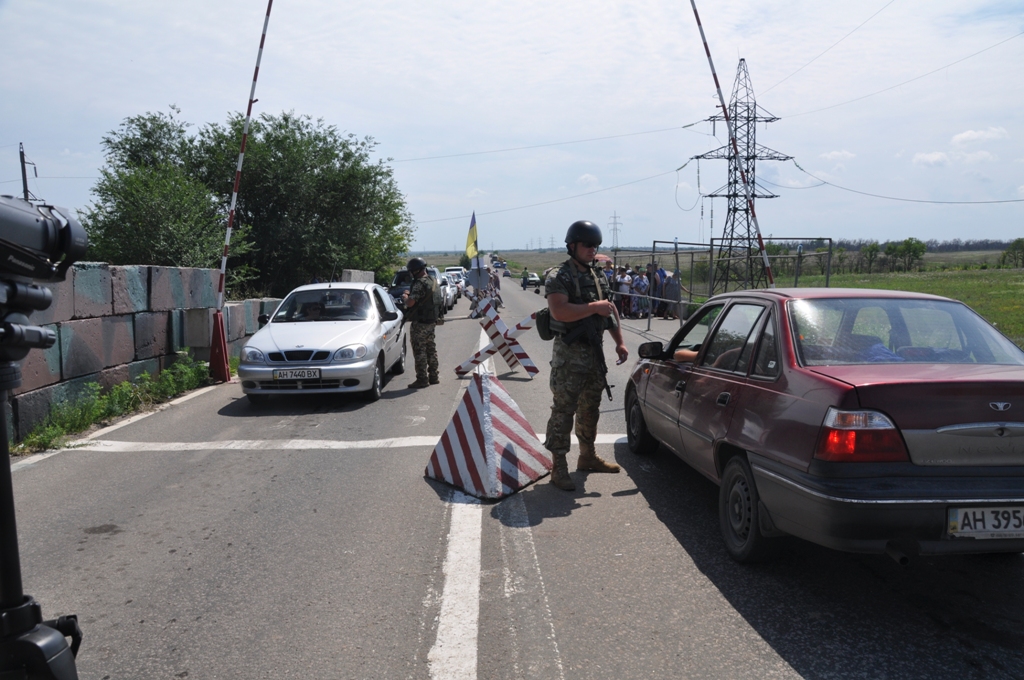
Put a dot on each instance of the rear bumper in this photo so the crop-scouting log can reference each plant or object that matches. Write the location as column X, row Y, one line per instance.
column 867, row 514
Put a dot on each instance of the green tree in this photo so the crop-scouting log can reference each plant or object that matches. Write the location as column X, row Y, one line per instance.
column 1014, row 255
column 149, row 209
column 870, row 253
column 910, row 251
column 311, row 200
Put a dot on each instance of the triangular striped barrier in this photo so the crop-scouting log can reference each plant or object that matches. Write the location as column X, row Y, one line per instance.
column 503, row 341
column 488, row 449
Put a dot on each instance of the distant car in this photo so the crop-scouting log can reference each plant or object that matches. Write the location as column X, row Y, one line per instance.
column 325, row 338
column 459, row 282
column 446, row 289
column 403, row 280
column 532, row 279
column 506, row 274
column 862, row 420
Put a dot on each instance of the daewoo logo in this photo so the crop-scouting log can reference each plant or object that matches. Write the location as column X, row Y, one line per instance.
column 999, row 405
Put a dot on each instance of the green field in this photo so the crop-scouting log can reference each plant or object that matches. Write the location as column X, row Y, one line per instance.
column 996, row 294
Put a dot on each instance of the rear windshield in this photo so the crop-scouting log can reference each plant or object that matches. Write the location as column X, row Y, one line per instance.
column 867, row 331
column 324, row 305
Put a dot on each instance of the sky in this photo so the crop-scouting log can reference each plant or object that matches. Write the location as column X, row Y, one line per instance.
column 919, row 101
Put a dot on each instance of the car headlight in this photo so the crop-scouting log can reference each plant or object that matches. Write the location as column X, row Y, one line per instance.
column 251, row 355
column 350, row 353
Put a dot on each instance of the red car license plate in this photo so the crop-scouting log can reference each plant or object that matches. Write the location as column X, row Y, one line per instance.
column 991, row 522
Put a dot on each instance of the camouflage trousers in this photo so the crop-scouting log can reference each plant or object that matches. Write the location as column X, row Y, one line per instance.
column 424, row 351
column 576, row 386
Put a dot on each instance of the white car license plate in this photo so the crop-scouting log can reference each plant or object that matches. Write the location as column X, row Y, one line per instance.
column 297, row 374
column 997, row 522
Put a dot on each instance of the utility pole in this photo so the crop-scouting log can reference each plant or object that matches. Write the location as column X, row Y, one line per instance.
column 24, row 174
column 615, row 233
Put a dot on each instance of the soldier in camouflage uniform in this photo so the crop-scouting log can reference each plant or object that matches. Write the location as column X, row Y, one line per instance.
column 577, row 293
column 420, row 310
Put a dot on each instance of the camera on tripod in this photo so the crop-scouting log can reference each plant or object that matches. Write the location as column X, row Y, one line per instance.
column 37, row 243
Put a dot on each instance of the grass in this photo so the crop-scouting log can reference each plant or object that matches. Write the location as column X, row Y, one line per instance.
column 92, row 407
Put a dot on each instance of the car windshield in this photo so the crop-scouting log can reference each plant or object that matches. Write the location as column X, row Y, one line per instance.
column 893, row 330
column 324, row 305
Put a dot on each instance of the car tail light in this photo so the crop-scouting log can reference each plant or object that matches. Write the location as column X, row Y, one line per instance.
column 859, row 436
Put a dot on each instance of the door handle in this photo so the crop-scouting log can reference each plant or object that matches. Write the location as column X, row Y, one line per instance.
column 680, row 386
column 723, row 399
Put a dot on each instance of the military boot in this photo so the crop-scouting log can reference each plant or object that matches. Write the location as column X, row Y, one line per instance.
column 560, row 474
column 420, row 382
column 589, row 461
column 434, row 380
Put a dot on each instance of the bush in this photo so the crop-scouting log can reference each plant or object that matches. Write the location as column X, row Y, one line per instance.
column 91, row 407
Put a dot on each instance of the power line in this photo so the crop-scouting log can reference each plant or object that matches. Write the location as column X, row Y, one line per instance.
column 541, row 146
column 897, row 198
column 833, row 45
column 941, row 68
column 556, row 200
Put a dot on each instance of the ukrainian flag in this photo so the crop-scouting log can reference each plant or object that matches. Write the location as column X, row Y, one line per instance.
column 471, row 250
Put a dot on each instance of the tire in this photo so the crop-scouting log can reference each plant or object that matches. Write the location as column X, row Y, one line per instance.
column 640, row 441
column 257, row 399
column 739, row 515
column 377, row 386
column 398, row 368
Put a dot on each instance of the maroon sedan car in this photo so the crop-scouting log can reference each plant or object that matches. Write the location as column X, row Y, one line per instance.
column 862, row 420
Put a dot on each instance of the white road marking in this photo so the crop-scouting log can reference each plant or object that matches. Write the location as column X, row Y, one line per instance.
column 115, row 446
column 454, row 654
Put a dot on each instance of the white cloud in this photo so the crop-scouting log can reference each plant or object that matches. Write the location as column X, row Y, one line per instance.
column 980, row 135
column 976, row 157
column 1020, row 191
column 587, row 180
column 932, row 160
column 476, row 193
column 843, row 155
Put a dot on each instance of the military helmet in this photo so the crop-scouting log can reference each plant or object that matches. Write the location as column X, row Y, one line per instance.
column 584, row 231
column 416, row 264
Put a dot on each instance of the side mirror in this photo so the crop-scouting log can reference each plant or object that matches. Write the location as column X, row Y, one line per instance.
column 263, row 319
column 389, row 316
column 650, row 350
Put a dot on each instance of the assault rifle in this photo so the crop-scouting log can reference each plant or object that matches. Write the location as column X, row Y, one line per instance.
column 588, row 326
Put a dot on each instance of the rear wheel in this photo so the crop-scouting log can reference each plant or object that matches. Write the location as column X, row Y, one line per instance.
column 739, row 515
column 377, row 386
column 638, row 438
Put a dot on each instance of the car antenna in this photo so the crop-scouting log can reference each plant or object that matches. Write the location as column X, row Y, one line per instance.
column 333, row 269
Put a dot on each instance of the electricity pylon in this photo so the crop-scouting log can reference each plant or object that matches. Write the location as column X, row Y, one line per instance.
column 737, row 262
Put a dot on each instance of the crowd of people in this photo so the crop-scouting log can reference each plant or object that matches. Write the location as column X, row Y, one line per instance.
column 633, row 291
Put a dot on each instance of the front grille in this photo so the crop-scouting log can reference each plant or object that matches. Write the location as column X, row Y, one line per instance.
column 299, row 355
column 300, row 385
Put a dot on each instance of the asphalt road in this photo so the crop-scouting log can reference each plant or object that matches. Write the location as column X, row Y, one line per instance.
column 217, row 540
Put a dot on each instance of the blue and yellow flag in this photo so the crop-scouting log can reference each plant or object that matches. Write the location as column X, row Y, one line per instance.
column 471, row 249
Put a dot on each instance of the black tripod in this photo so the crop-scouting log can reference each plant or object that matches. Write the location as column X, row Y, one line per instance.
column 30, row 648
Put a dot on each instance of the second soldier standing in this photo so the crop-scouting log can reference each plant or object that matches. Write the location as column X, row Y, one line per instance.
column 421, row 312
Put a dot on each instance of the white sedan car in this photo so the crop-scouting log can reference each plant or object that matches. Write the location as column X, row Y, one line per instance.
column 325, row 338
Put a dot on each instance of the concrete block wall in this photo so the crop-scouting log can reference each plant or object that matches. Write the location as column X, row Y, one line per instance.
column 115, row 322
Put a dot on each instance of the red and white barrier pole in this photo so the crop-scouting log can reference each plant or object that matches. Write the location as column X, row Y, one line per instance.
column 219, row 343
column 748, row 189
